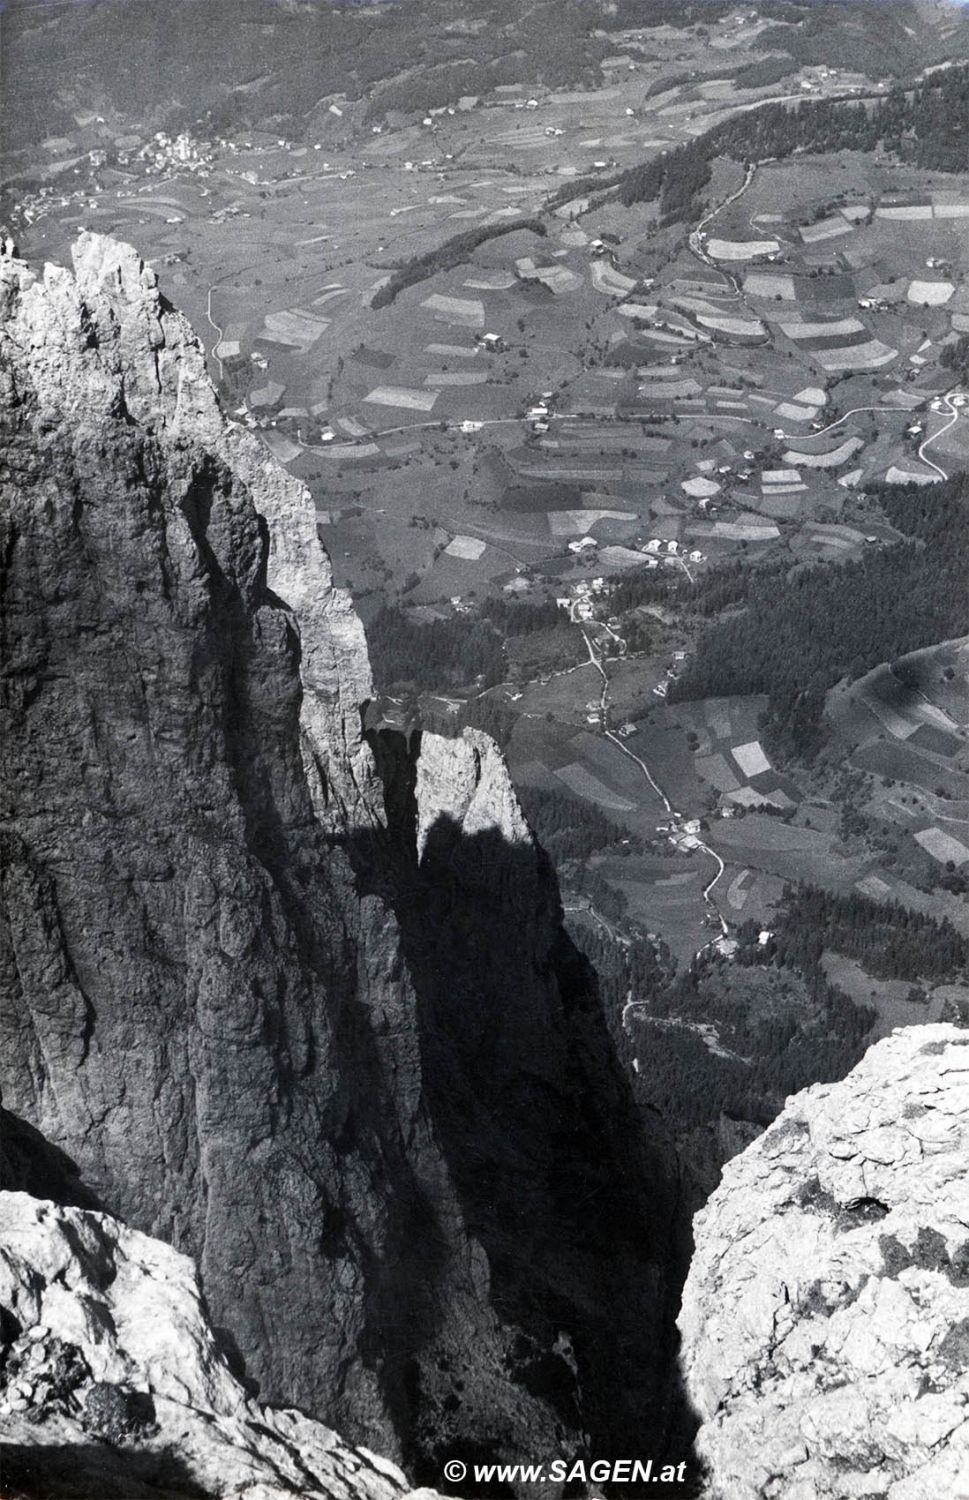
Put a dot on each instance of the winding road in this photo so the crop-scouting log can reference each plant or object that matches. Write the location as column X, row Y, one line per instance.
column 218, row 332
column 953, row 418
column 596, row 659
column 895, row 411
column 695, row 241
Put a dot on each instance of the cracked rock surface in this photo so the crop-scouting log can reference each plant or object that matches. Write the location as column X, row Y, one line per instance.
column 113, row 1385
column 825, row 1319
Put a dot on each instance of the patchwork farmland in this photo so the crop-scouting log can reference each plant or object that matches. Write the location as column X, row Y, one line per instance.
column 509, row 389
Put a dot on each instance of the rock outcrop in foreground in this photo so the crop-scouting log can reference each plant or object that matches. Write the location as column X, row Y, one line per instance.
column 825, row 1319
column 291, row 995
column 113, row 1385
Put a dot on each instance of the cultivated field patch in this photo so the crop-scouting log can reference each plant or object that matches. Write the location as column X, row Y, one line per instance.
column 581, row 781
column 824, row 229
column 468, row 547
column 895, row 474
column 831, row 460
column 930, row 293
column 751, row 758
column 942, row 846
column 460, row 312
column 770, row 285
column 401, row 396
column 868, row 356
column 741, row 249
column 293, row 328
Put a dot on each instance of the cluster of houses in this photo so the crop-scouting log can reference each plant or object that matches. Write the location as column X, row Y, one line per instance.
column 538, row 417
column 672, row 673
column 655, row 551
column 669, row 551
column 682, row 833
column 579, row 603
column 165, row 153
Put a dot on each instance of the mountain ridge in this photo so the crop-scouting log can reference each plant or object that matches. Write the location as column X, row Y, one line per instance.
column 265, row 968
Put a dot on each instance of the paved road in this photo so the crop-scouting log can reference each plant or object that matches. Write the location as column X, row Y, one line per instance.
column 953, row 418
column 792, row 436
column 596, row 660
column 218, row 330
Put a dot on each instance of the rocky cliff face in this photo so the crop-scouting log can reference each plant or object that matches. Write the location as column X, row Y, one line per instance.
column 292, row 997
column 825, row 1319
column 112, row 1382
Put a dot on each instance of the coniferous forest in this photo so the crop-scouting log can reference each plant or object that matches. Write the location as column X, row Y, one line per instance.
column 829, row 621
column 923, row 125
column 890, row 940
column 438, row 655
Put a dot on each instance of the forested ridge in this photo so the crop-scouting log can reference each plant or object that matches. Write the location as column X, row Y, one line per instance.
column 728, row 584
column 888, row 939
column 828, row 621
column 445, row 257
column 923, row 124
column 567, row 828
column 437, row 655
column 458, row 650
column 812, row 31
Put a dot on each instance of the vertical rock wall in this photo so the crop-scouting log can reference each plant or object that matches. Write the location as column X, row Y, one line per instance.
column 295, row 999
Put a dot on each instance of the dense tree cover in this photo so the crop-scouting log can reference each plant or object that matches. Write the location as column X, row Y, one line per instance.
column 565, row 826
column 553, row 56
column 585, row 881
column 687, row 174
column 636, row 965
column 691, row 1085
column 777, row 1033
column 955, row 357
column 829, row 621
column 923, row 125
column 764, row 72
column 515, row 617
column 709, row 594
column 445, row 257
column 452, row 653
column 666, row 81
column 780, row 1034
column 439, row 655
column 887, row 939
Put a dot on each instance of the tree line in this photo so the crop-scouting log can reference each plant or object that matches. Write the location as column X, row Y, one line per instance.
column 955, row 357
column 518, row 618
column 922, row 124
column 722, row 587
column 435, row 656
column 566, row 827
column 795, row 640
column 445, row 257
column 888, row 939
